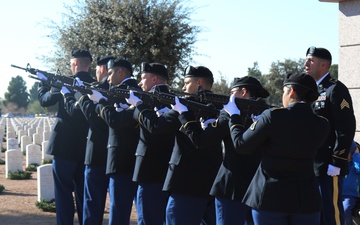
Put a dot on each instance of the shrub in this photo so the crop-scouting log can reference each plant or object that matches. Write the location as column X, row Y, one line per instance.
column 46, row 206
column 47, row 161
column 32, row 167
column 2, row 162
column 19, row 175
column 2, row 188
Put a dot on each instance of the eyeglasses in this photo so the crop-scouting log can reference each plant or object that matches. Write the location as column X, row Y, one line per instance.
column 189, row 70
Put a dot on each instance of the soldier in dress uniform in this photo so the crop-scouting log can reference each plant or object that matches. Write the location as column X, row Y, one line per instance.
column 236, row 170
column 284, row 189
column 122, row 141
column 67, row 142
column 335, row 104
column 96, row 181
column 154, row 150
column 196, row 157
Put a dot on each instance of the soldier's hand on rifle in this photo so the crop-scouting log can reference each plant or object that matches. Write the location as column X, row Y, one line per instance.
column 96, row 96
column 133, row 100
column 205, row 123
column 231, row 107
column 78, row 82
column 178, row 107
column 255, row 118
column 41, row 76
column 159, row 112
column 120, row 107
column 64, row 90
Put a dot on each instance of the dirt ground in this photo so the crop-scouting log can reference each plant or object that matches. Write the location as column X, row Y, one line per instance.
column 17, row 203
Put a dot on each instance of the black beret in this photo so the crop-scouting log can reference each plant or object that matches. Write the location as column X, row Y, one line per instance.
column 155, row 68
column 103, row 60
column 250, row 82
column 199, row 71
column 81, row 53
column 305, row 83
column 118, row 62
column 321, row 53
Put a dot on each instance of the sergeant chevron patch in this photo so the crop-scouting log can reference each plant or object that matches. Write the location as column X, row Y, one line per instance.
column 344, row 104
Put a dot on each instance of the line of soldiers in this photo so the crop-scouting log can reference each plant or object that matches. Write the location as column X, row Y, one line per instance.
column 178, row 166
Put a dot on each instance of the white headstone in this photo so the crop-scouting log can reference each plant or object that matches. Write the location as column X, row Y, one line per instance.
column 33, row 154
column 13, row 159
column 46, row 135
column 39, row 130
column 10, row 134
column 12, row 143
column 25, row 140
column 20, row 134
column 37, row 139
column 43, row 152
column 46, row 128
column 45, row 183
column 31, row 131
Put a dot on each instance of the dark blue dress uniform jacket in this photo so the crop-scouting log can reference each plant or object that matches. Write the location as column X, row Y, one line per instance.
column 96, row 147
column 154, row 149
column 335, row 104
column 68, row 138
column 289, row 138
column 123, row 134
column 236, row 170
column 196, row 157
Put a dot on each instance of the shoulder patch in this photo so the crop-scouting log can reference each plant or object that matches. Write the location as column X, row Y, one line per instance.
column 344, row 104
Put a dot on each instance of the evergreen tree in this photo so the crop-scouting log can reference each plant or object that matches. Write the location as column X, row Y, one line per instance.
column 138, row 30
column 16, row 98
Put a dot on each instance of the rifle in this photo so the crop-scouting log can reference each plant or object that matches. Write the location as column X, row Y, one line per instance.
column 246, row 106
column 204, row 110
column 51, row 77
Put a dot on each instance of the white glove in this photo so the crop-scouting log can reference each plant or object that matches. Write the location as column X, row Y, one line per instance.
column 64, row 90
column 120, row 107
column 333, row 170
column 255, row 118
column 231, row 107
column 41, row 76
column 133, row 100
column 204, row 124
column 178, row 107
column 159, row 112
column 78, row 82
column 96, row 96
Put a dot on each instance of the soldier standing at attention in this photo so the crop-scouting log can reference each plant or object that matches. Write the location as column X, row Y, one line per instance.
column 284, row 189
column 335, row 104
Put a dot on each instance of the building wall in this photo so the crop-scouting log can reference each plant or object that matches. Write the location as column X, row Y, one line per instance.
column 349, row 53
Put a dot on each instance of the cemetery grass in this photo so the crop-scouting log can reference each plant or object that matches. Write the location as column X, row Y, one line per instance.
column 17, row 203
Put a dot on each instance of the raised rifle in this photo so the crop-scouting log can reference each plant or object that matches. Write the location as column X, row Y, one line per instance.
column 51, row 77
column 246, row 106
column 201, row 109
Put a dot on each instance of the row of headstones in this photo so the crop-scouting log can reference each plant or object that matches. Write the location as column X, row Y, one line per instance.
column 34, row 154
